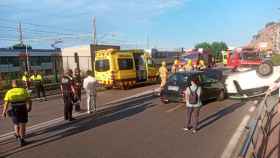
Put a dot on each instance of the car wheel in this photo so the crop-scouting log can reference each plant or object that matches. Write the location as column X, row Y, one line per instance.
column 222, row 95
column 265, row 69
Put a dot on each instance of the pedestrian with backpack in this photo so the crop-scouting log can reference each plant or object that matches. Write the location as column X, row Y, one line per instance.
column 193, row 103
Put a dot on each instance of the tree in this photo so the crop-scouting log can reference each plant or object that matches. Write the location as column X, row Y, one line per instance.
column 217, row 48
column 21, row 46
column 205, row 45
column 214, row 48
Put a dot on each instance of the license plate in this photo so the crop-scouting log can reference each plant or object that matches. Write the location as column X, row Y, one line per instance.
column 173, row 88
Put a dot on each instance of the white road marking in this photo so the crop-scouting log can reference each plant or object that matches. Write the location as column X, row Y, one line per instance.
column 235, row 138
column 38, row 126
column 60, row 119
column 175, row 108
column 252, row 109
column 123, row 110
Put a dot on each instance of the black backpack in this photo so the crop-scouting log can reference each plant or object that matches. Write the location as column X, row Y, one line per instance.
column 193, row 97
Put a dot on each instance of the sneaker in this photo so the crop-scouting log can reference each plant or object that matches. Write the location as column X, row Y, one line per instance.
column 186, row 128
column 46, row 99
column 194, row 131
column 22, row 142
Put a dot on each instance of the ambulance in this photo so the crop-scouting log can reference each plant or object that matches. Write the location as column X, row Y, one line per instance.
column 124, row 68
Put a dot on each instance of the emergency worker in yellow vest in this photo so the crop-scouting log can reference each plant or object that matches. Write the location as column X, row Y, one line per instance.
column 18, row 98
column 189, row 66
column 26, row 80
column 175, row 66
column 163, row 72
column 201, row 65
column 38, row 82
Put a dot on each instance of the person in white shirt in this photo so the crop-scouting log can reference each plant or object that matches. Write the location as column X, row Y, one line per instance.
column 89, row 85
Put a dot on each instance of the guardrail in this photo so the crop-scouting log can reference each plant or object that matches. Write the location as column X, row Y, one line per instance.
column 258, row 131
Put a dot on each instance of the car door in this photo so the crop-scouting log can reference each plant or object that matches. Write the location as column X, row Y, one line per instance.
column 209, row 88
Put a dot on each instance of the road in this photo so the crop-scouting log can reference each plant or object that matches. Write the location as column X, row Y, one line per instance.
column 147, row 128
column 53, row 108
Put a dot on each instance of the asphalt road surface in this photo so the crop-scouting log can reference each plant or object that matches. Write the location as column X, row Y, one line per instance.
column 53, row 108
column 146, row 129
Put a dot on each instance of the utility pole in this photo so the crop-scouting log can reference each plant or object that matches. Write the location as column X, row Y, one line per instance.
column 20, row 34
column 93, row 51
column 278, row 38
column 148, row 42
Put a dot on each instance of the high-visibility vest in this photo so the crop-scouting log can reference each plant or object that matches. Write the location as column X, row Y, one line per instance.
column 16, row 95
column 25, row 78
column 36, row 78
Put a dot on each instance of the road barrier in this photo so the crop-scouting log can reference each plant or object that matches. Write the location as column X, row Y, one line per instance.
column 256, row 140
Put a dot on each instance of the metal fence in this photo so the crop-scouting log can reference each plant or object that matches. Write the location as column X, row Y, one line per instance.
column 256, row 140
column 83, row 62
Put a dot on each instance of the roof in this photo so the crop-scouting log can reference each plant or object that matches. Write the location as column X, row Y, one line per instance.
column 29, row 50
column 36, row 52
column 189, row 72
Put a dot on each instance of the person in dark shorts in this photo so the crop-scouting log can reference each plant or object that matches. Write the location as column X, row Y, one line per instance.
column 68, row 93
column 18, row 98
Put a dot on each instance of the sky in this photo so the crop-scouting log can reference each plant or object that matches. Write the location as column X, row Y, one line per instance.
column 166, row 24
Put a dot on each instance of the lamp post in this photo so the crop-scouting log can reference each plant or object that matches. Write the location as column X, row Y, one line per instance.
column 55, row 58
column 27, row 58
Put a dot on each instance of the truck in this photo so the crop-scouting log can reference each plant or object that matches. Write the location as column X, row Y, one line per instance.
column 246, row 58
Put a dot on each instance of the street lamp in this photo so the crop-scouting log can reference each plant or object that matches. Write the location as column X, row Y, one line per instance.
column 27, row 58
column 55, row 57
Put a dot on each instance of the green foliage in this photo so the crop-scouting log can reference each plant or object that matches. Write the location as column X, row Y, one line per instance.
column 21, row 46
column 276, row 59
column 215, row 48
column 205, row 45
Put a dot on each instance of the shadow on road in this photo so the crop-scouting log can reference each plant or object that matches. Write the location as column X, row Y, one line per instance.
column 218, row 115
column 80, row 125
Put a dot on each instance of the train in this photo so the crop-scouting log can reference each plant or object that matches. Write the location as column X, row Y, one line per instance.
column 13, row 62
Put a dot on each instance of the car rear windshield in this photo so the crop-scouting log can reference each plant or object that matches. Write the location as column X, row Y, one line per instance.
column 125, row 64
column 178, row 78
column 102, row 65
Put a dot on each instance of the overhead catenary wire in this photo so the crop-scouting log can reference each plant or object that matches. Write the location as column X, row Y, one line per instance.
column 38, row 26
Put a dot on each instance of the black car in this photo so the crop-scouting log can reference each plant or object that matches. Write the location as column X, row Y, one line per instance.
column 210, row 80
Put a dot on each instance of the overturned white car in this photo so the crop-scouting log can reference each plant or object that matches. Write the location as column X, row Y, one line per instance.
column 249, row 83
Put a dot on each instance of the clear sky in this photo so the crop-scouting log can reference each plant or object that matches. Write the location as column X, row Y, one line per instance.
column 136, row 23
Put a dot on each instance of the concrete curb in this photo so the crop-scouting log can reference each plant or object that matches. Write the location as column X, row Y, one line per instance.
column 102, row 110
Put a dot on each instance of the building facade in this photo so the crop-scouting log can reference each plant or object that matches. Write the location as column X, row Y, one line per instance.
column 268, row 38
column 84, row 56
column 13, row 62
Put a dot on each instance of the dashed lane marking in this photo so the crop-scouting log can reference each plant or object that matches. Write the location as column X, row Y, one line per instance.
column 252, row 109
column 175, row 108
